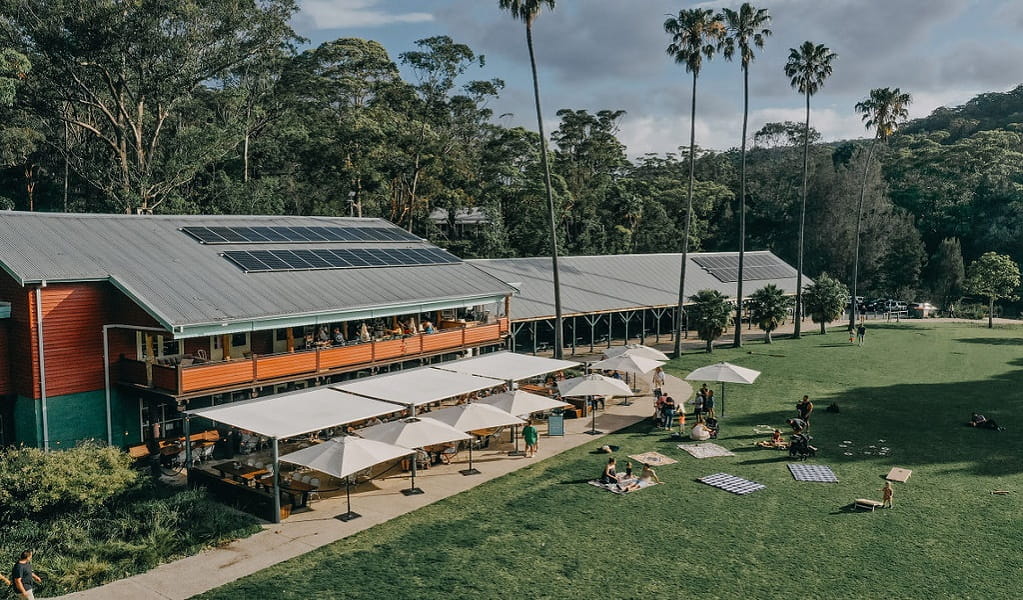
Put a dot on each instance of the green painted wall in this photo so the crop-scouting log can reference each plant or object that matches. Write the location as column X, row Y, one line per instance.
column 76, row 417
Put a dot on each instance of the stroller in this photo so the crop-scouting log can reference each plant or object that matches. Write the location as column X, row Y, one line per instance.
column 800, row 448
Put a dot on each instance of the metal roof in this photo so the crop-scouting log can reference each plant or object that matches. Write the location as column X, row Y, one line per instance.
column 594, row 284
column 191, row 289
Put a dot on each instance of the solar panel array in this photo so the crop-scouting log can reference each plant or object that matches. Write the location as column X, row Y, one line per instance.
column 262, row 261
column 297, row 235
column 755, row 267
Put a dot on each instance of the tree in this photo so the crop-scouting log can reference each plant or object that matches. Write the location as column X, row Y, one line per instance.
column 947, row 273
column 770, row 306
column 995, row 276
column 527, row 11
column 695, row 34
column 825, row 300
column 807, row 69
column 787, row 133
column 14, row 67
column 746, row 29
column 710, row 312
column 883, row 110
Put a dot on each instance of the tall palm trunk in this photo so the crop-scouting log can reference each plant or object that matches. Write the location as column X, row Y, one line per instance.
column 680, row 310
column 558, row 343
column 742, row 208
column 853, row 305
column 796, row 325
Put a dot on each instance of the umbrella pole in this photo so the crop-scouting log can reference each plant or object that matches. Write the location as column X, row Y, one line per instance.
column 412, row 491
column 348, row 516
column 722, row 398
column 470, row 470
column 515, row 438
column 593, row 414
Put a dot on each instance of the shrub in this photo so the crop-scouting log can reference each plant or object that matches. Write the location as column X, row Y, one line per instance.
column 35, row 483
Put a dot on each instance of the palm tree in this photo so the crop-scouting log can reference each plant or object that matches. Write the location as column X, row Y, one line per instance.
column 695, row 34
column 882, row 111
column 770, row 306
column 710, row 310
column 808, row 67
column 746, row 30
column 527, row 11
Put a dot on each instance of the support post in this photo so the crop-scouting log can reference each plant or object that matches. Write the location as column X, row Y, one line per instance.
column 277, row 482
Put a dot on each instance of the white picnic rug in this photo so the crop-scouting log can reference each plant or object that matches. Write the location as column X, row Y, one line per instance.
column 731, row 483
column 618, row 488
column 705, row 450
column 817, row 473
column 653, row 458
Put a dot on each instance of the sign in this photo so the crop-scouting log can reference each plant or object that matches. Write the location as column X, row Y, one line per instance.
column 556, row 425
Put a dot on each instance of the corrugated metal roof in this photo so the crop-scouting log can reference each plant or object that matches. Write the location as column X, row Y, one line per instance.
column 183, row 283
column 592, row 284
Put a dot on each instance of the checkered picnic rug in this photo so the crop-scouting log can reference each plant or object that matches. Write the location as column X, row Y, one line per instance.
column 731, row 483
column 818, row 473
column 705, row 450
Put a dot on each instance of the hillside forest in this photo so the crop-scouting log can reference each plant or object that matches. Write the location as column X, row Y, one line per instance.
column 216, row 108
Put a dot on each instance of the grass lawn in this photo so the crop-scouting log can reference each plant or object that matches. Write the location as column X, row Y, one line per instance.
column 542, row 532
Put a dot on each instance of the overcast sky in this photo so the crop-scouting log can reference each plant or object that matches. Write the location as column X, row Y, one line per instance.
column 610, row 54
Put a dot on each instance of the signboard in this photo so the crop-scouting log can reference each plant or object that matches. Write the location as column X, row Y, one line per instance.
column 556, row 425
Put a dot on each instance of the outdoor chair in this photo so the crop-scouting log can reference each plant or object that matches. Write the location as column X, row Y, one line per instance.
column 315, row 483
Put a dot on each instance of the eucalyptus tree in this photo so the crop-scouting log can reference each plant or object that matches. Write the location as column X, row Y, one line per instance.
column 527, row 11
column 695, row 35
column 745, row 30
column 807, row 68
column 882, row 111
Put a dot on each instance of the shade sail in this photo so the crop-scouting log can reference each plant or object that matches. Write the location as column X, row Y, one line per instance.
column 414, row 432
column 629, row 363
column 417, row 386
column 508, row 365
column 521, row 403
column 474, row 416
column 636, row 350
column 343, row 456
column 724, row 372
column 593, row 385
column 295, row 413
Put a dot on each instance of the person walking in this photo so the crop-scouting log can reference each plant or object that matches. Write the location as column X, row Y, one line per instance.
column 532, row 438
column 668, row 413
column 860, row 332
column 658, row 380
column 23, row 578
column 804, row 409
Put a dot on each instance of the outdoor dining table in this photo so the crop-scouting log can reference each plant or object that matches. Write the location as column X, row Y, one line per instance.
column 239, row 472
column 288, row 486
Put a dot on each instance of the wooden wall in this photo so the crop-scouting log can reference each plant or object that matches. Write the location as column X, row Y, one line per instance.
column 6, row 386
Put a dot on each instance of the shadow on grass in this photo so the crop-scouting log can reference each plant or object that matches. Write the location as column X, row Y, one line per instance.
column 993, row 341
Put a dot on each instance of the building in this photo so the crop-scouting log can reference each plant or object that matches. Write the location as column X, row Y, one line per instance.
column 111, row 325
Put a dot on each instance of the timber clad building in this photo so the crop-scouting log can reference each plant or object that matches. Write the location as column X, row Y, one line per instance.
column 111, row 324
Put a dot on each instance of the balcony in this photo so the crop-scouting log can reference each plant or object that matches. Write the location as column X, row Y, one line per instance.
column 273, row 368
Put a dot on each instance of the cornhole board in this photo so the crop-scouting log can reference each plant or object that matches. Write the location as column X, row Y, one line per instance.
column 897, row 474
column 866, row 504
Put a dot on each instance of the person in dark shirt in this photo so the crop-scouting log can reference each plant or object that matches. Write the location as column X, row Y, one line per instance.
column 797, row 425
column 23, row 578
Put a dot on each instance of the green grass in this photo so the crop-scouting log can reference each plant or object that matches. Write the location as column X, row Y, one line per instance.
column 542, row 532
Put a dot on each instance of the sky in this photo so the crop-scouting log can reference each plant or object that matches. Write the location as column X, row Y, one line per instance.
column 610, row 54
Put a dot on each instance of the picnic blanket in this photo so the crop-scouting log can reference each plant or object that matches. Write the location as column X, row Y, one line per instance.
column 653, row 458
column 818, row 473
column 731, row 483
column 619, row 488
column 705, row 450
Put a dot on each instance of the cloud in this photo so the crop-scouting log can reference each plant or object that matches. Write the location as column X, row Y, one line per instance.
column 346, row 14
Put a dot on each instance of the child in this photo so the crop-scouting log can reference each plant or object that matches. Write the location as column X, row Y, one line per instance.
column 776, row 438
column 886, row 495
column 628, row 470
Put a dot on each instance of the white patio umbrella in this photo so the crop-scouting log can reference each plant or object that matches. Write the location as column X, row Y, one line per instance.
column 630, row 361
column 521, row 403
column 413, row 432
column 636, row 350
column 474, row 416
column 594, row 385
column 725, row 373
column 344, row 456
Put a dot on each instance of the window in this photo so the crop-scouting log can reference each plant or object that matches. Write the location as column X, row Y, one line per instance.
column 162, row 346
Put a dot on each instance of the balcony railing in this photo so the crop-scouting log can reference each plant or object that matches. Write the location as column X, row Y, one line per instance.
column 268, row 368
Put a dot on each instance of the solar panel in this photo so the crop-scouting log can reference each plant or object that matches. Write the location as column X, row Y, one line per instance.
column 755, row 267
column 297, row 235
column 259, row 261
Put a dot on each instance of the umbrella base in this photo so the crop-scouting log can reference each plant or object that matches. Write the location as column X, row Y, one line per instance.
column 348, row 516
column 472, row 471
column 412, row 491
column 593, row 432
column 516, row 453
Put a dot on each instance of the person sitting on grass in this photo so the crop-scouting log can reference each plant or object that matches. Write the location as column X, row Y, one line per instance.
column 610, row 475
column 646, row 477
column 776, row 441
column 700, row 430
column 979, row 420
